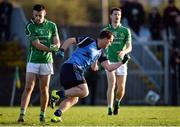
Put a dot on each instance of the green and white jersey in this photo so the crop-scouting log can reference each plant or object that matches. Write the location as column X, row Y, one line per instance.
column 122, row 35
column 44, row 32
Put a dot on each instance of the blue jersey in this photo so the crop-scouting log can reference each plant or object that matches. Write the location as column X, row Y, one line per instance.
column 86, row 53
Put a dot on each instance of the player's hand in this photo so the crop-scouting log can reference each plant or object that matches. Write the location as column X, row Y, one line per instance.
column 95, row 66
column 125, row 58
column 121, row 53
column 54, row 48
column 60, row 53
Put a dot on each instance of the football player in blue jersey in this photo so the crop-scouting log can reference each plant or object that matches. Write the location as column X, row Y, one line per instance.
column 87, row 54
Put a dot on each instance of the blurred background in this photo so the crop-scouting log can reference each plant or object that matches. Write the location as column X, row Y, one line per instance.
column 153, row 74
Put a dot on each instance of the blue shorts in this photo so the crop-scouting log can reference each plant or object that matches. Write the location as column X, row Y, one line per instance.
column 71, row 76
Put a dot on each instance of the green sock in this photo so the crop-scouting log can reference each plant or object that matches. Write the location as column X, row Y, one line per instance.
column 109, row 109
column 22, row 111
column 117, row 102
column 42, row 113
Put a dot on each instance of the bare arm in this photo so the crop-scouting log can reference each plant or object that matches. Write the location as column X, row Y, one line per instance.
column 68, row 42
column 56, row 41
column 40, row 46
column 127, row 50
column 110, row 67
column 95, row 66
column 36, row 43
column 128, row 46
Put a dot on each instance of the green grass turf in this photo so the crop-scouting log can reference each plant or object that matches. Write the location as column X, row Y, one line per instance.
column 97, row 116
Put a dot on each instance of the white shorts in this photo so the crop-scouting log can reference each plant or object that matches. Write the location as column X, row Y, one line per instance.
column 122, row 70
column 42, row 69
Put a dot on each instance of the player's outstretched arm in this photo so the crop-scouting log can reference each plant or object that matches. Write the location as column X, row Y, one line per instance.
column 111, row 67
column 68, row 42
column 65, row 45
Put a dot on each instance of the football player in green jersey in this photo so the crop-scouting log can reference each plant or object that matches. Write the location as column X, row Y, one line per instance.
column 115, row 52
column 43, row 40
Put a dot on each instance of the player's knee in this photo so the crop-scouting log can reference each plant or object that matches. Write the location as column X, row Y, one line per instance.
column 85, row 93
column 111, row 88
column 75, row 101
column 44, row 91
column 121, row 91
column 28, row 89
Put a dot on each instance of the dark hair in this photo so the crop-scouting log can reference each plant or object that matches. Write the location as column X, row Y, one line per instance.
column 38, row 7
column 114, row 9
column 105, row 34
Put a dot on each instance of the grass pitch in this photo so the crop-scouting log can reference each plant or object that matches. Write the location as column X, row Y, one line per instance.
column 97, row 116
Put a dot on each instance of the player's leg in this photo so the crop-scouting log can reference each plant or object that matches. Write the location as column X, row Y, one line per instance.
column 121, row 75
column 73, row 82
column 44, row 98
column 121, row 81
column 110, row 90
column 76, row 91
column 64, row 106
column 45, row 72
column 30, row 83
column 71, row 95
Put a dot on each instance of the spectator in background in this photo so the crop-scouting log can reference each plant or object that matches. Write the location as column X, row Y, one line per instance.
column 133, row 11
column 175, row 63
column 155, row 3
column 176, row 43
column 175, row 66
column 123, row 10
column 169, row 15
column 144, row 33
column 5, row 20
column 154, row 19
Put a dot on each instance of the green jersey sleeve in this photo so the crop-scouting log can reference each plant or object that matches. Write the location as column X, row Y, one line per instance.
column 30, row 33
column 55, row 30
column 128, row 37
